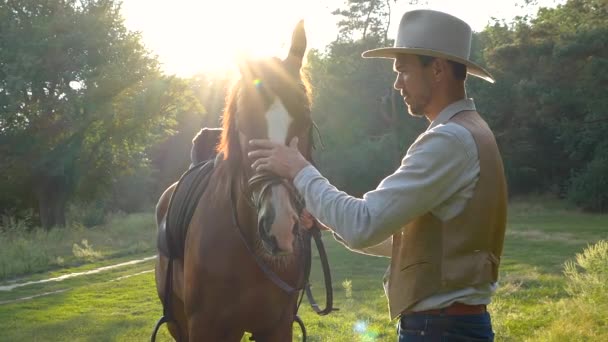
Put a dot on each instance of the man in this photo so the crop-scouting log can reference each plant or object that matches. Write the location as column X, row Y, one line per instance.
column 441, row 215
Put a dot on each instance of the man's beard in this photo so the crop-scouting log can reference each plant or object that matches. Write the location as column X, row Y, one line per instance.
column 415, row 110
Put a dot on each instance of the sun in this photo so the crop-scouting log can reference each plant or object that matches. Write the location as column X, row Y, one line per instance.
column 194, row 36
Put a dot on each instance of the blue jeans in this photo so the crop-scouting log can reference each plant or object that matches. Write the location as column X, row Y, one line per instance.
column 445, row 328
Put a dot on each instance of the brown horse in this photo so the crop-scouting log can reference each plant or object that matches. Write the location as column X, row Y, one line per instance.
column 219, row 291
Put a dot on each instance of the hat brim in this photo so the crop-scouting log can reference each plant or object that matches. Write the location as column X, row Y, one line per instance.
column 472, row 68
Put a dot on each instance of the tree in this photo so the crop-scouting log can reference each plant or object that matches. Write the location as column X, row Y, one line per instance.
column 363, row 19
column 80, row 97
column 549, row 103
column 365, row 125
column 171, row 156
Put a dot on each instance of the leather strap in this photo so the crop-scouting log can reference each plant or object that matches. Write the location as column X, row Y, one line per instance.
column 456, row 309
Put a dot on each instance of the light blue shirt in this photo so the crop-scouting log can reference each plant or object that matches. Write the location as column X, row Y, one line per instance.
column 438, row 175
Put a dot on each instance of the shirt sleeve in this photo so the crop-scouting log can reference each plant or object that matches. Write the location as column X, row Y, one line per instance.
column 383, row 249
column 431, row 172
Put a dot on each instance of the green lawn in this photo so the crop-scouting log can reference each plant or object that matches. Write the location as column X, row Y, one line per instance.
column 121, row 304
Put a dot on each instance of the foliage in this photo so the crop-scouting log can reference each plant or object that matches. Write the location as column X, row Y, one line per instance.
column 365, row 19
column 549, row 119
column 88, row 121
column 589, row 186
column 80, row 100
column 170, row 157
column 85, row 251
column 548, row 106
column 584, row 314
column 363, row 121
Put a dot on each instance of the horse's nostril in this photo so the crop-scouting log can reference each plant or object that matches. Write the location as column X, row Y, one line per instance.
column 274, row 245
column 271, row 244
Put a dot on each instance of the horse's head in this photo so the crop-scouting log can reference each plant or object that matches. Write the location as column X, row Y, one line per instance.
column 271, row 101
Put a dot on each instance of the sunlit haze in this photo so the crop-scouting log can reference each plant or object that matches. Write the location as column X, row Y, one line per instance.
column 193, row 36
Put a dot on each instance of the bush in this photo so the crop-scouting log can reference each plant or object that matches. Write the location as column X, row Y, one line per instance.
column 583, row 316
column 89, row 214
column 588, row 276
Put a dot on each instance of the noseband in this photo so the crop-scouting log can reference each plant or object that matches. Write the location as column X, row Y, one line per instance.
column 260, row 184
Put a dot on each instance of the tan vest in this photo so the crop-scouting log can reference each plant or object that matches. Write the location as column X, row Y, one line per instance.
column 431, row 257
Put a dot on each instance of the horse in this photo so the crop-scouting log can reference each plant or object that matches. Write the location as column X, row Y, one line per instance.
column 218, row 291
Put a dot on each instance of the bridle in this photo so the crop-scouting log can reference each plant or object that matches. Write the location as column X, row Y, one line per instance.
column 265, row 181
column 257, row 188
column 260, row 184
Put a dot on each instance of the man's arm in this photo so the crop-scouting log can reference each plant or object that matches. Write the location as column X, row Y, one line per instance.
column 429, row 174
column 383, row 249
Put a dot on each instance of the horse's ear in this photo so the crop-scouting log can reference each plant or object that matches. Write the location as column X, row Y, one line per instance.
column 244, row 67
column 298, row 48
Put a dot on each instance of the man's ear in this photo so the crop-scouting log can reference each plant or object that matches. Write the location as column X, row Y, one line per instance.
column 440, row 67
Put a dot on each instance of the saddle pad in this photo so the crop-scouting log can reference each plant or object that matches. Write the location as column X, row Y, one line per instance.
column 183, row 203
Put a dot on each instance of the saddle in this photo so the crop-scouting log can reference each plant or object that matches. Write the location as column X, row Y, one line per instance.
column 184, row 200
column 190, row 187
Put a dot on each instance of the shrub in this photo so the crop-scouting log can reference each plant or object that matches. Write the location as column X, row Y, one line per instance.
column 588, row 276
column 583, row 316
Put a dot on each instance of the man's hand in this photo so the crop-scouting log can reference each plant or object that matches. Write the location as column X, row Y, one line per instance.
column 284, row 161
column 308, row 221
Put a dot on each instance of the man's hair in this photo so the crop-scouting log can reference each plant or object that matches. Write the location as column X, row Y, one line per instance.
column 458, row 69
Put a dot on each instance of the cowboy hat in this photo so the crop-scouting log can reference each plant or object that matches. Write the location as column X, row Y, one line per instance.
column 435, row 34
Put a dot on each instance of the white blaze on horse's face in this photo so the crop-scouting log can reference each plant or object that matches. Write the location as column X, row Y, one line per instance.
column 284, row 219
column 278, row 121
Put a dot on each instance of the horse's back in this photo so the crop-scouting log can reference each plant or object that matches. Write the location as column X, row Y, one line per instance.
column 163, row 203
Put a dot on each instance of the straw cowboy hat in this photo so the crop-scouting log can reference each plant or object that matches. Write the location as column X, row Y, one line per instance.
column 435, row 34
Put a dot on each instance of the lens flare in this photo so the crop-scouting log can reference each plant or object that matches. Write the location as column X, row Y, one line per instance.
column 365, row 334
column 360, row 327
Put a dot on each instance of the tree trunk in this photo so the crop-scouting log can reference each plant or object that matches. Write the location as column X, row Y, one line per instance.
column 52, row 200
column 388, row 23
column 372, row 5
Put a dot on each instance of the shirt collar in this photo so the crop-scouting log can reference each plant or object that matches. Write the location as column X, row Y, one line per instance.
column 451, row 110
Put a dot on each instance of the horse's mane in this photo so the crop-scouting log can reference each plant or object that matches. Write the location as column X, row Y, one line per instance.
column 229, row 142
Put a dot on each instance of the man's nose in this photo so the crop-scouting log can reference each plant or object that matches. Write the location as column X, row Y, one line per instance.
column 398, row 85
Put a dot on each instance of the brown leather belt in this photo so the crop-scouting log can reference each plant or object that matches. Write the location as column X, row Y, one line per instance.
column 454, row 309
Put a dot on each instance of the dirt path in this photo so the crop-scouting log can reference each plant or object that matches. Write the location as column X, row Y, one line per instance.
column 76, row 274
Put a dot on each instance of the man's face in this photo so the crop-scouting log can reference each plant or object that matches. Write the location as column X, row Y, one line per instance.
column 414, row 83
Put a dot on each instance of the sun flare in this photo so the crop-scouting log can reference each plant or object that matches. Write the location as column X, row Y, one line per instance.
column 192, row 36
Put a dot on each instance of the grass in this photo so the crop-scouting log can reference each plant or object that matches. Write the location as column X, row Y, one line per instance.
column 536, row 300
column 24, row 253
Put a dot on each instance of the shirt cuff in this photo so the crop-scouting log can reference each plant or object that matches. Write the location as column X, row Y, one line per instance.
column 304, row 176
